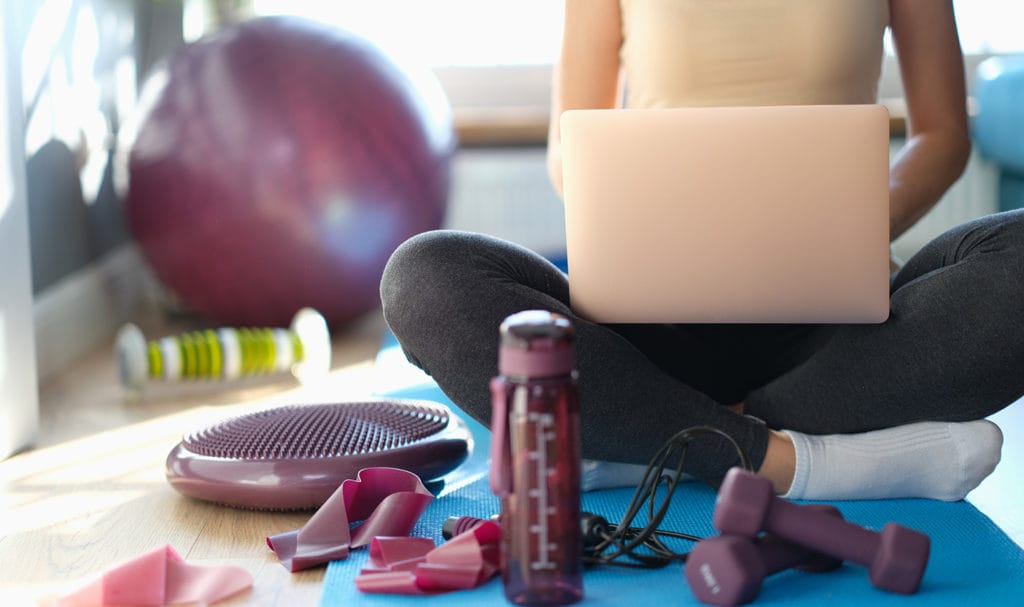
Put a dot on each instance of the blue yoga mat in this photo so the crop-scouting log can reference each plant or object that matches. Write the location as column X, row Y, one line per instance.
column 972, row 561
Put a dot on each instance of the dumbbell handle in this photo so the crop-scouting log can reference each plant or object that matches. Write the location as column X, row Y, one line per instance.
column 805, row 526
column 779, row 555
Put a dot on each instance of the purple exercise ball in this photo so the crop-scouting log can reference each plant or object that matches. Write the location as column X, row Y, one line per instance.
column 277, row 164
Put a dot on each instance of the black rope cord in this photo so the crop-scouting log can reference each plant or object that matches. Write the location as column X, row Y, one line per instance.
column 626, row 545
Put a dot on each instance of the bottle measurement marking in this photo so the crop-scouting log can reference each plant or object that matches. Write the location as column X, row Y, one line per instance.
column 542, row 431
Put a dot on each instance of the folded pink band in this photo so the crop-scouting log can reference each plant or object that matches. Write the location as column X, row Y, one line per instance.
column 389, row 501
column 400, row 565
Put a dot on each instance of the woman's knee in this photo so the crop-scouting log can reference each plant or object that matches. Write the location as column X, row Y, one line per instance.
column 996, row 233
column 1001, row 234
column 435, row 270
column 416, row 268
column 1013, row 225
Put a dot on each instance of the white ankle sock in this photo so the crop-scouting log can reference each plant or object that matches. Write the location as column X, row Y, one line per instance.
column 935, row 460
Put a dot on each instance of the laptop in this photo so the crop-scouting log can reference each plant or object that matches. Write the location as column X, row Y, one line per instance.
column 728, row 215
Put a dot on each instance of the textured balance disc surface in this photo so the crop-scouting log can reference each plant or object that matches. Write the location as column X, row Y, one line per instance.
column 294, row 457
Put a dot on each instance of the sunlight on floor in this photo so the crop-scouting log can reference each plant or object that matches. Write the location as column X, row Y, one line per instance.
column 68, row 484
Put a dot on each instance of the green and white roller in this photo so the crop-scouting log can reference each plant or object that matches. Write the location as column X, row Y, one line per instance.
column 227, row 353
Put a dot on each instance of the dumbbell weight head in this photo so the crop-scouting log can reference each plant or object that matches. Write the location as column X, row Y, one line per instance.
column 725, row 570
column 742, row 504
column 729, row 569
column 902, row 556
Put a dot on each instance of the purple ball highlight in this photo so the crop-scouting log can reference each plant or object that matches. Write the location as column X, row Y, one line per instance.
column 277, row 164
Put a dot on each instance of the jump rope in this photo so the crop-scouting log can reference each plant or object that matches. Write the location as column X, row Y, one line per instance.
column 627, row 545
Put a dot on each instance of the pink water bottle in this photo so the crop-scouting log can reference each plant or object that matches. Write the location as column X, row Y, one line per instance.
column 535, row 459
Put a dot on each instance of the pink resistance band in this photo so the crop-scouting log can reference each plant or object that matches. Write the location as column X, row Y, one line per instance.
column 158, row 577
column 408, row 565
column 389, row 501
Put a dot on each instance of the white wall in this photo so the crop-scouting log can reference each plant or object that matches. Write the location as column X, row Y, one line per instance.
column 19, row 412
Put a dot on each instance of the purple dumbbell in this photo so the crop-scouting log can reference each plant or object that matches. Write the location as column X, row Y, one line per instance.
column 896, row 557
column 729, row 569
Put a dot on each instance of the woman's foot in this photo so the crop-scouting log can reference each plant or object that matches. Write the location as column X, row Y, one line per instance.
column 934, row 460
column 779, row 462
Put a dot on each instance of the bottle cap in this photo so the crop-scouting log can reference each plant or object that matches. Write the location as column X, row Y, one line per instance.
column 536, row 343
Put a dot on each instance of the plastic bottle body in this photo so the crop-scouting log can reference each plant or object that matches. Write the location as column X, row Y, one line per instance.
column 536, row 462
column 541, row 543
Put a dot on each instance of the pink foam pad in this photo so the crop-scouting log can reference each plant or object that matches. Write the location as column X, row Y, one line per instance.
column 389, row 501
column 159, row 577
column 295, row 457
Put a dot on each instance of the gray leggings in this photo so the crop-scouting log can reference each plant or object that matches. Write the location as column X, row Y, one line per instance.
column 952, row 348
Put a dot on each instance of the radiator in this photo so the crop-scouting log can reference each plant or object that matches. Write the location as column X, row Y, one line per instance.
column 506, row 193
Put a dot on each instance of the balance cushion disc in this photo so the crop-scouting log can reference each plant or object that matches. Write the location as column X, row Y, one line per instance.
column 295, row 457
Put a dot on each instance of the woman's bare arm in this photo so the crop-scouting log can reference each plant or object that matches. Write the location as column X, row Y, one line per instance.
column 587, row 74
column 938, row 143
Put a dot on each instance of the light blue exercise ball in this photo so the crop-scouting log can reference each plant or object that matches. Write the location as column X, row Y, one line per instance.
column 998, row 125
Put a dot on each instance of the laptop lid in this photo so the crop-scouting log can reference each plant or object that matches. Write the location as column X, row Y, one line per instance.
column 728, row 215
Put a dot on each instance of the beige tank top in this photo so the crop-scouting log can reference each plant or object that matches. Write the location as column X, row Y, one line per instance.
column 752, row 52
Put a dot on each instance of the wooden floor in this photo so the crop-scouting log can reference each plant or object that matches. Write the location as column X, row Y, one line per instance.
column 93, row 492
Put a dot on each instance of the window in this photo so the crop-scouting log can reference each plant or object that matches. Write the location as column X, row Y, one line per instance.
column 494, row 57
column 990, row 26
column 526, row 32
column 443, row 32
column 477, row 48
